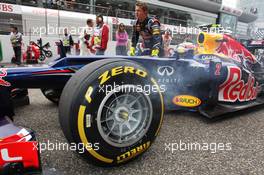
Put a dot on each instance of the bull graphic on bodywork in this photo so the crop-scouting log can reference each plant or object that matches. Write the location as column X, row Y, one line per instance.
column 3, row 73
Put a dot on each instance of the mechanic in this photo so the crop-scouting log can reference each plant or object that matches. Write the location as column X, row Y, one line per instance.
column 149, row 29
column 16, row 41
column 101, row 36
column 67, row 41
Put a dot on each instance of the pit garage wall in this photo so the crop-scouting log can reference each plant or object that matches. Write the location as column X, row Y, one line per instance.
column 35, row 17
column 8, row 53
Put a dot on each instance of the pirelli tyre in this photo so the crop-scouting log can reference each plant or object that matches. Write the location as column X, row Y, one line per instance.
column 112, row 107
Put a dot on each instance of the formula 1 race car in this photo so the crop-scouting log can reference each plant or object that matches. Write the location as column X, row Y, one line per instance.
column 118, row 103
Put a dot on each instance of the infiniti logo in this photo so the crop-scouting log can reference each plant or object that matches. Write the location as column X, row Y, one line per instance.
column 165, row 70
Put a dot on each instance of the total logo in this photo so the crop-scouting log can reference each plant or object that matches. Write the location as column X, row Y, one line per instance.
column 6, row 157
column 3, row 73
column 165, row 70
column 234, row 88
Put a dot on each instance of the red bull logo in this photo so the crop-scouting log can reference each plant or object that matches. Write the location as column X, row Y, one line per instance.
column 224, row 45
column 234, row 88
column 3, row 73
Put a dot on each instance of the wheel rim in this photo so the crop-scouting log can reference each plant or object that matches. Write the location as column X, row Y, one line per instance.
column 124, row 118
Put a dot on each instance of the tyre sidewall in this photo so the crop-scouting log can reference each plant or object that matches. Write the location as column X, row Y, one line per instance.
column 92, row 134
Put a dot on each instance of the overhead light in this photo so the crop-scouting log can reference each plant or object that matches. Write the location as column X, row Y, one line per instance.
column 119, row 5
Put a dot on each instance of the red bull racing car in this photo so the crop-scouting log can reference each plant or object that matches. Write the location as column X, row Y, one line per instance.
column 118, row 103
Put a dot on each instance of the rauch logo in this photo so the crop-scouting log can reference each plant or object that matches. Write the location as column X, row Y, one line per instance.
column 186, row 101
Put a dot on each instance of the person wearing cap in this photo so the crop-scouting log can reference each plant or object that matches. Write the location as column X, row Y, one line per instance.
column 100, row 36
column 149, row 29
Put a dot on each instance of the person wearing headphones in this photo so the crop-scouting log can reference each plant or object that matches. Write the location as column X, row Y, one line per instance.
column 101, row 36
column 149, row 29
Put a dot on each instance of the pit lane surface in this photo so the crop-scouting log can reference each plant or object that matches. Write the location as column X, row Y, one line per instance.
column 243, row 131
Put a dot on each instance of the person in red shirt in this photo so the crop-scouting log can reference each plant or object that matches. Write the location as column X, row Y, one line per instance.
column 101, row 36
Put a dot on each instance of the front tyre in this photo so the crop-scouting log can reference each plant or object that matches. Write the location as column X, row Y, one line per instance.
column 112, row 107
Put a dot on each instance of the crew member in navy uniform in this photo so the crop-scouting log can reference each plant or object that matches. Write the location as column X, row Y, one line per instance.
column 16, row 41
column 149, row 29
